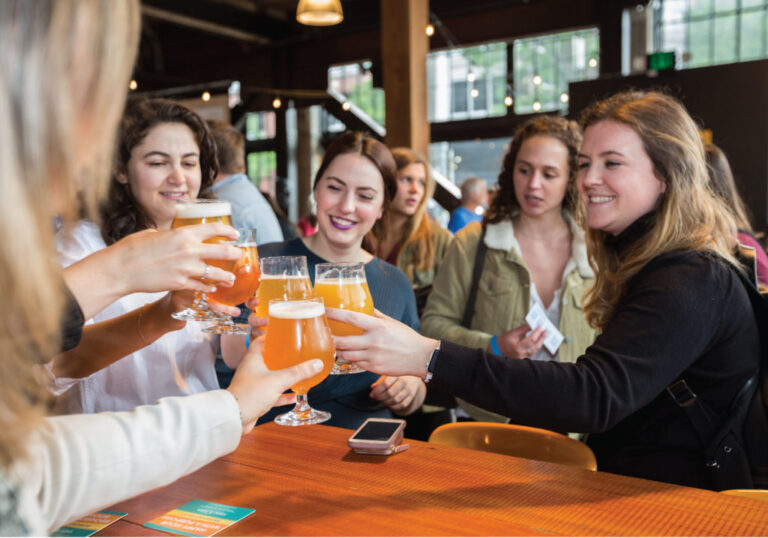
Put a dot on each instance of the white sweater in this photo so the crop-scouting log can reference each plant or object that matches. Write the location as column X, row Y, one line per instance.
column 79, row 464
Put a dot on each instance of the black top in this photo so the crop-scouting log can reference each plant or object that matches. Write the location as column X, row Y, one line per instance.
column 684, row 315
column 72, row 322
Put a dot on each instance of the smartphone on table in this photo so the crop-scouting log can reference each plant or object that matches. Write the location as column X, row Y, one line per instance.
column 380, row 436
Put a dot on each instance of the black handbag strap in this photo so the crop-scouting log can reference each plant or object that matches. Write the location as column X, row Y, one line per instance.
column 477, row 270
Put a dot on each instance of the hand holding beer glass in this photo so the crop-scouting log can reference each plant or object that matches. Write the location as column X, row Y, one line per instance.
column 298, row 331
column 343, row 285
column 246, row 283
column 283, row 277
column 189, row 212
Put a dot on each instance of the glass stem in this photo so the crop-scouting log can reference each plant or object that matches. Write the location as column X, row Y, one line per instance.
column 302, row 404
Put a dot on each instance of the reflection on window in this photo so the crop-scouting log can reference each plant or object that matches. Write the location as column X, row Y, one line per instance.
column 459, row 160
column 355, row 81
column 260, row 126
column 709, row 32
column 262, row 165
column 467, row 83
column 544, row 65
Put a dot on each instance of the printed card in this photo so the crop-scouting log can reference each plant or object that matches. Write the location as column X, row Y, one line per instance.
column 90, row 524
column 536, row 318
column 199, row 518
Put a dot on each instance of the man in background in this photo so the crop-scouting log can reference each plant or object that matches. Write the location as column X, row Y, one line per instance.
column 474, row 197
column 249, row 207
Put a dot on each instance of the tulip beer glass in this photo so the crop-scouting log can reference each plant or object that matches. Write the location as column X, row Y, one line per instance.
column 298, row 331
column 246, row 283
column 189, row 212
column 343, row 285
column 283, row 277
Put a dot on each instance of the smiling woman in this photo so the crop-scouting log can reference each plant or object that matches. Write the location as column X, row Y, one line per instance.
column 353, row 187
column 165, row 154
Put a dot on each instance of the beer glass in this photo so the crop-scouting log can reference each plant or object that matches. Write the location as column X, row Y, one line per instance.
column 246, row 283
column 343, row 285
column 283, row 277
column 189, row 212
column 298, row 331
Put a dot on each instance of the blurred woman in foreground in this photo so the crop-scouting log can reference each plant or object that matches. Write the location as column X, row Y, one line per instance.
column 64, row 71
column 668, row 301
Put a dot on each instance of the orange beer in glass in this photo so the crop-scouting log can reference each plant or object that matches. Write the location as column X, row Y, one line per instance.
column 343, row 285
column 246, row 283
column 298, row 331
column 200, row 211
column 283, row 277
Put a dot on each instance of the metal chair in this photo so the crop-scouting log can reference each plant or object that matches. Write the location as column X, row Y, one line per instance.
column 757, row 494
column 515, row 440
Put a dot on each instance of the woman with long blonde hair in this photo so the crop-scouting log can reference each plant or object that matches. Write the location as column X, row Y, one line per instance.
column 64, row 72
column 406, row 236
column 677, row 326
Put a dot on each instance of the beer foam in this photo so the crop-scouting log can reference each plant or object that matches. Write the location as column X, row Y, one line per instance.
column 296, row 309
column 341, row 281
column 202, row 211
column 283, row 277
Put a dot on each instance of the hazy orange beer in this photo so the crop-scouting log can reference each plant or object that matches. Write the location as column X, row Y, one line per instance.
column 298, row 331
column 343, row 286
column 247, row 272
column 283, row 277
column 189, row 212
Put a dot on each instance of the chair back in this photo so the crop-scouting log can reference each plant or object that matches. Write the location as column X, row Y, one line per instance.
column 757, row 494
column 515, row 440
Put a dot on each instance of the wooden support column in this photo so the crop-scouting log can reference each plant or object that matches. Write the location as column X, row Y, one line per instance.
column 404, row 46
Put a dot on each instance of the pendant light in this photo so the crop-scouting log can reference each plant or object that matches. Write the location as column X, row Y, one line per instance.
column 319, row 12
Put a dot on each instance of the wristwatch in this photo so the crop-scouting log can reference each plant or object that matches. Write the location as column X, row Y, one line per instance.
column 431, row 362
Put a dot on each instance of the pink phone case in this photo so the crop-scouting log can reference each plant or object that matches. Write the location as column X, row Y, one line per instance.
column 382, row 448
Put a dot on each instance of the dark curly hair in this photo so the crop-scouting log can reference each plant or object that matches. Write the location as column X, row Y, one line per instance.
column 568, row 132
column 121, row 215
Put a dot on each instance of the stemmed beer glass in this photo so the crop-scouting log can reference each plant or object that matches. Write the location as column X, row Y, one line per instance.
column 343, row 285
column 283, row 277
column 199, row 211
column 246, row 283
column 298, row 331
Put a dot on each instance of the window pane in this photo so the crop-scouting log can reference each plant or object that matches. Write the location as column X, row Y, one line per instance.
column 701, row 8
column 752, row 28
column 699, row 51
column 262, row 165
column 752, row 3
column 259, row 125
column 725, row 31
column 545, row 65
column 459, row 160
column 450, row 92
column 724, row 5
column 355, row 82
column 674, row 10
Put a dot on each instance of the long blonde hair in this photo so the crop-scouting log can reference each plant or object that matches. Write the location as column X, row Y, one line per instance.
column 688, row 215
column 60, row 62
column 417, row 230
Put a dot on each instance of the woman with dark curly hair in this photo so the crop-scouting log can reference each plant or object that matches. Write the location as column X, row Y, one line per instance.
column 533, row 254
column 165, row 154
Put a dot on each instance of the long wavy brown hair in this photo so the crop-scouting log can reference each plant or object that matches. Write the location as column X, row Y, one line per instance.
column 417, row 231
column 689, row 216
column 505, row 203
column 64, row 72
column 121, row 214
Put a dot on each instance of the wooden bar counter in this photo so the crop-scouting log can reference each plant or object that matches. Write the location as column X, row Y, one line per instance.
column 304, row 481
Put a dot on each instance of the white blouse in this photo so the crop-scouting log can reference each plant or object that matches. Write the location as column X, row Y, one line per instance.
column 179, row 363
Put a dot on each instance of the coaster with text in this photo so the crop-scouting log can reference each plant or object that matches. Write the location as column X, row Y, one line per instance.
column 199, row 518
column 90, row 524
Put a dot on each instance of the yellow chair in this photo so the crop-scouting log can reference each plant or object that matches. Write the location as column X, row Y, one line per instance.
column 514, row 440
column 757, row 494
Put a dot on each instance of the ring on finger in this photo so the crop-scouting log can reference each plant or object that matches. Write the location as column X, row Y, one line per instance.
column 206, row 271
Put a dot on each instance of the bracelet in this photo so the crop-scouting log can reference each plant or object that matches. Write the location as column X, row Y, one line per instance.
column 431, row 363
column 495, row 346
column 248, row 340
column 138, row 326
column 239, row 411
